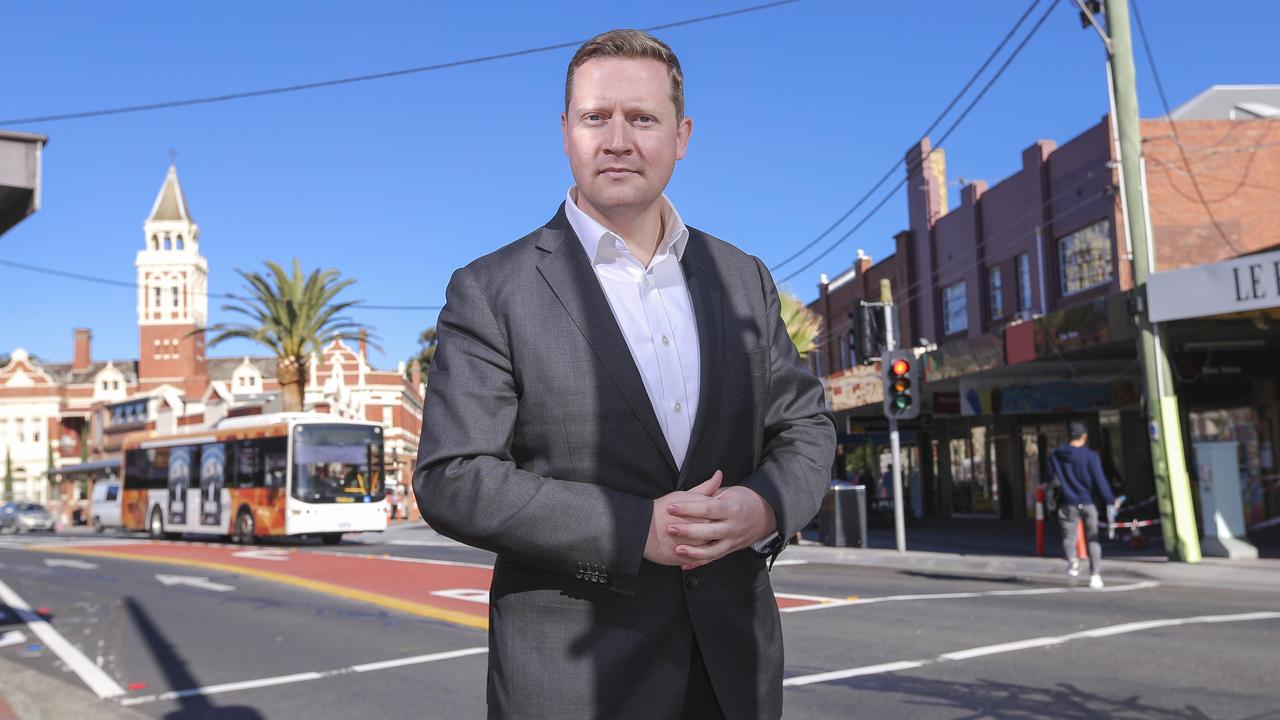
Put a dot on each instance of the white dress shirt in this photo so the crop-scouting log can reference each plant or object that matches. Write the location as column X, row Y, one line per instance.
column 654, row 312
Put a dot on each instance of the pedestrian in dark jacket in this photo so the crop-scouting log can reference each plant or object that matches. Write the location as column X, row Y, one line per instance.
column 1079, row 473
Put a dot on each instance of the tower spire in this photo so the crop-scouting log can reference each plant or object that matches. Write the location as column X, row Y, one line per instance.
column 170, row 204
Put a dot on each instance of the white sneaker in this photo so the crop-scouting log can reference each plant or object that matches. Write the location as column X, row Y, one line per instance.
column 1095, row 581
column 1073, row 568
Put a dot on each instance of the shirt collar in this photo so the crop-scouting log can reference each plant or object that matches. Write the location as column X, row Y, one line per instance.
column 597, row 238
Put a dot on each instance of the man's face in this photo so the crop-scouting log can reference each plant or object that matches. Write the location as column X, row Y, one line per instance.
column 621, row 134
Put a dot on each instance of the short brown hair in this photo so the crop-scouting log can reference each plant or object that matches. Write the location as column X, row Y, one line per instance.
column 629, row 44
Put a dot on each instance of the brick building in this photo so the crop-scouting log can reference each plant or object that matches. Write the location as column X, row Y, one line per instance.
column 1023, row 291
column 56, row 414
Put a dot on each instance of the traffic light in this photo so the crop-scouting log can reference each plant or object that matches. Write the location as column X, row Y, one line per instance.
column 869, row 330
column 901, row 383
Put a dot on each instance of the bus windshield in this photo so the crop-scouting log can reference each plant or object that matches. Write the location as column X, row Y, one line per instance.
column 337, row 463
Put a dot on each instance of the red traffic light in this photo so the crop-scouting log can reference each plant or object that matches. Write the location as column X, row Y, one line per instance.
column 900, row 367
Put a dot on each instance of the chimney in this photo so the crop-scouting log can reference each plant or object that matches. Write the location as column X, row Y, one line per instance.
column 83, row 357
column 364, row 343
column 864, row 263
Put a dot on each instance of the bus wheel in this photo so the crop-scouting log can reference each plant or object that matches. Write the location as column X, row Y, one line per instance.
column 331, row 538
column 156, row 527
column 244, row 528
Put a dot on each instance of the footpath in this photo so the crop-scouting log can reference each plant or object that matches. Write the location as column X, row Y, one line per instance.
column 991, row 548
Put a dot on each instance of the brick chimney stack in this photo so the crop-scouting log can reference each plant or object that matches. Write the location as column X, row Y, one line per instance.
column 364, row 344
column 84, row 355
column 415, row 376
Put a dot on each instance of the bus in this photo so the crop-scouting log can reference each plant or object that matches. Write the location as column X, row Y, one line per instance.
column 280, row 474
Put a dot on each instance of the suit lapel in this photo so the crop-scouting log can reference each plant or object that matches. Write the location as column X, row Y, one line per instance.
column 568, row 271
column 704, row 291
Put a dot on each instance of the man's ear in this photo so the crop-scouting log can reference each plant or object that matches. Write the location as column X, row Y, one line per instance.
column 564, row 132
column 683, row 133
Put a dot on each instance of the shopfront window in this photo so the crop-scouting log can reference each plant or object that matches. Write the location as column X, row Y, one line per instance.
column 1258, row 475
column 973, row 489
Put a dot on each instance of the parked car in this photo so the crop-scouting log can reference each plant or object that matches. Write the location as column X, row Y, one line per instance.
column 16, row 517
column 104, row 507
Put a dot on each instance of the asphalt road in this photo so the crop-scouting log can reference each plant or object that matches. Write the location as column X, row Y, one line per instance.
column 861, row 642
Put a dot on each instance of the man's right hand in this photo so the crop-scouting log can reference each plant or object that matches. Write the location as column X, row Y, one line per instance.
column 660, row 546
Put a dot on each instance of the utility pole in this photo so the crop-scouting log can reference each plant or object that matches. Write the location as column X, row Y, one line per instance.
column 891, row 344
column 1173, row 488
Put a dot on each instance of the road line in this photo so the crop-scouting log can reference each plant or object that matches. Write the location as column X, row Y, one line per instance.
column 418, row 659
column 397, row 558
column 854, row 672
column 391, row 603
column 826, row 603
column 1028, row 644
column 785, row 563
column 98, row 681
column 302, row 677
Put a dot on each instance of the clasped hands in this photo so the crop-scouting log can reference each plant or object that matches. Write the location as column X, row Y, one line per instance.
column 694, row 527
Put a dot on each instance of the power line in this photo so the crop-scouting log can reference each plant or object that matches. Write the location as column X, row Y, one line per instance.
column 368, row 77
column 955, row 123
column 54, row 272
column 938, row 120
column 1195, row 183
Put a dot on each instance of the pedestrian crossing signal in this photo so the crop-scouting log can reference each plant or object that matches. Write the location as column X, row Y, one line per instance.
column 900, row 373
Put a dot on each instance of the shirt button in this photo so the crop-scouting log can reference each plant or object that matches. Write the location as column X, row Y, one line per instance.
column 676, row 407
column 646, row 281
column 666, row 340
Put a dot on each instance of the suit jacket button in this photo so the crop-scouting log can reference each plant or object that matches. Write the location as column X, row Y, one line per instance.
column 692, row 581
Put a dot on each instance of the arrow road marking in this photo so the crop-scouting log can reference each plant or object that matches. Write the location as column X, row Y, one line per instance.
column 268, row 554
column 77, row 564
column 475, row 596
column 195, row 582
column 13, row 637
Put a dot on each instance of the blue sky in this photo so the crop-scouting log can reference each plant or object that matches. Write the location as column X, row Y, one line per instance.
column 797, row 111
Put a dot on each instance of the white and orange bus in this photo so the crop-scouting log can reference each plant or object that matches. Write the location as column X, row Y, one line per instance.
column 297, row 474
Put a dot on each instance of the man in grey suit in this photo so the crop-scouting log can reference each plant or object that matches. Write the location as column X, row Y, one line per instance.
column 616, row 410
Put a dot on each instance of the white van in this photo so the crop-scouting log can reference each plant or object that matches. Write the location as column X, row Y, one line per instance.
column 104, row 510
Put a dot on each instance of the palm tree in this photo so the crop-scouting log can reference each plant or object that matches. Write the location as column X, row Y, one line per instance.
column 427, row 341
column 803, row 324
column 294, row 316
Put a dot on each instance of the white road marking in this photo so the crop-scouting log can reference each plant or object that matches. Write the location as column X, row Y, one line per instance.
column 427, row 543
column 785, row 563
column 397, row 558
column 303, row 677
column 418, row 659
column 265, row 554
column 12, row 637
column 77, row 564
column 826, row 603
column 468, row 594
column 1039, row 642
column 202, row 583
column 98, row 681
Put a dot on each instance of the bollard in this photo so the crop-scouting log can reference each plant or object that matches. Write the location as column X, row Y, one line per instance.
column 1082, row 550
column 1040, row 521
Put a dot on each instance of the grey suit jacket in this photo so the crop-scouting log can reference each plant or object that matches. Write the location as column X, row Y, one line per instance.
column 539, row 443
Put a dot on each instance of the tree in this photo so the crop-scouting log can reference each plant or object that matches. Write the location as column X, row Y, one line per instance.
column 803, row 324
column 293, row 316
column 427, row 342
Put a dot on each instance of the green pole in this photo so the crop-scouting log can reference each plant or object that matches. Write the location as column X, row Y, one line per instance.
column 1173, row 487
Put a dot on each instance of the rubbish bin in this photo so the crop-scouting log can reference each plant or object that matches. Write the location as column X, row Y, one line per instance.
column 842, row 519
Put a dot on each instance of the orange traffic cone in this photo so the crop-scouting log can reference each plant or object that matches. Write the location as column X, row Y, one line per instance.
column 1082, row 550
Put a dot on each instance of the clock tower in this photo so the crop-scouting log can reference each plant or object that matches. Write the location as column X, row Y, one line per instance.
column 173, row 295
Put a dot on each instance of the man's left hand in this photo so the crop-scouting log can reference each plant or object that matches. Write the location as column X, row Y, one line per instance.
column 732, row 519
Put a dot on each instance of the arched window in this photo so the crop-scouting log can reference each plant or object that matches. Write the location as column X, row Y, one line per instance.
column 155, row 242
column 180, row 244
column 168, row 243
